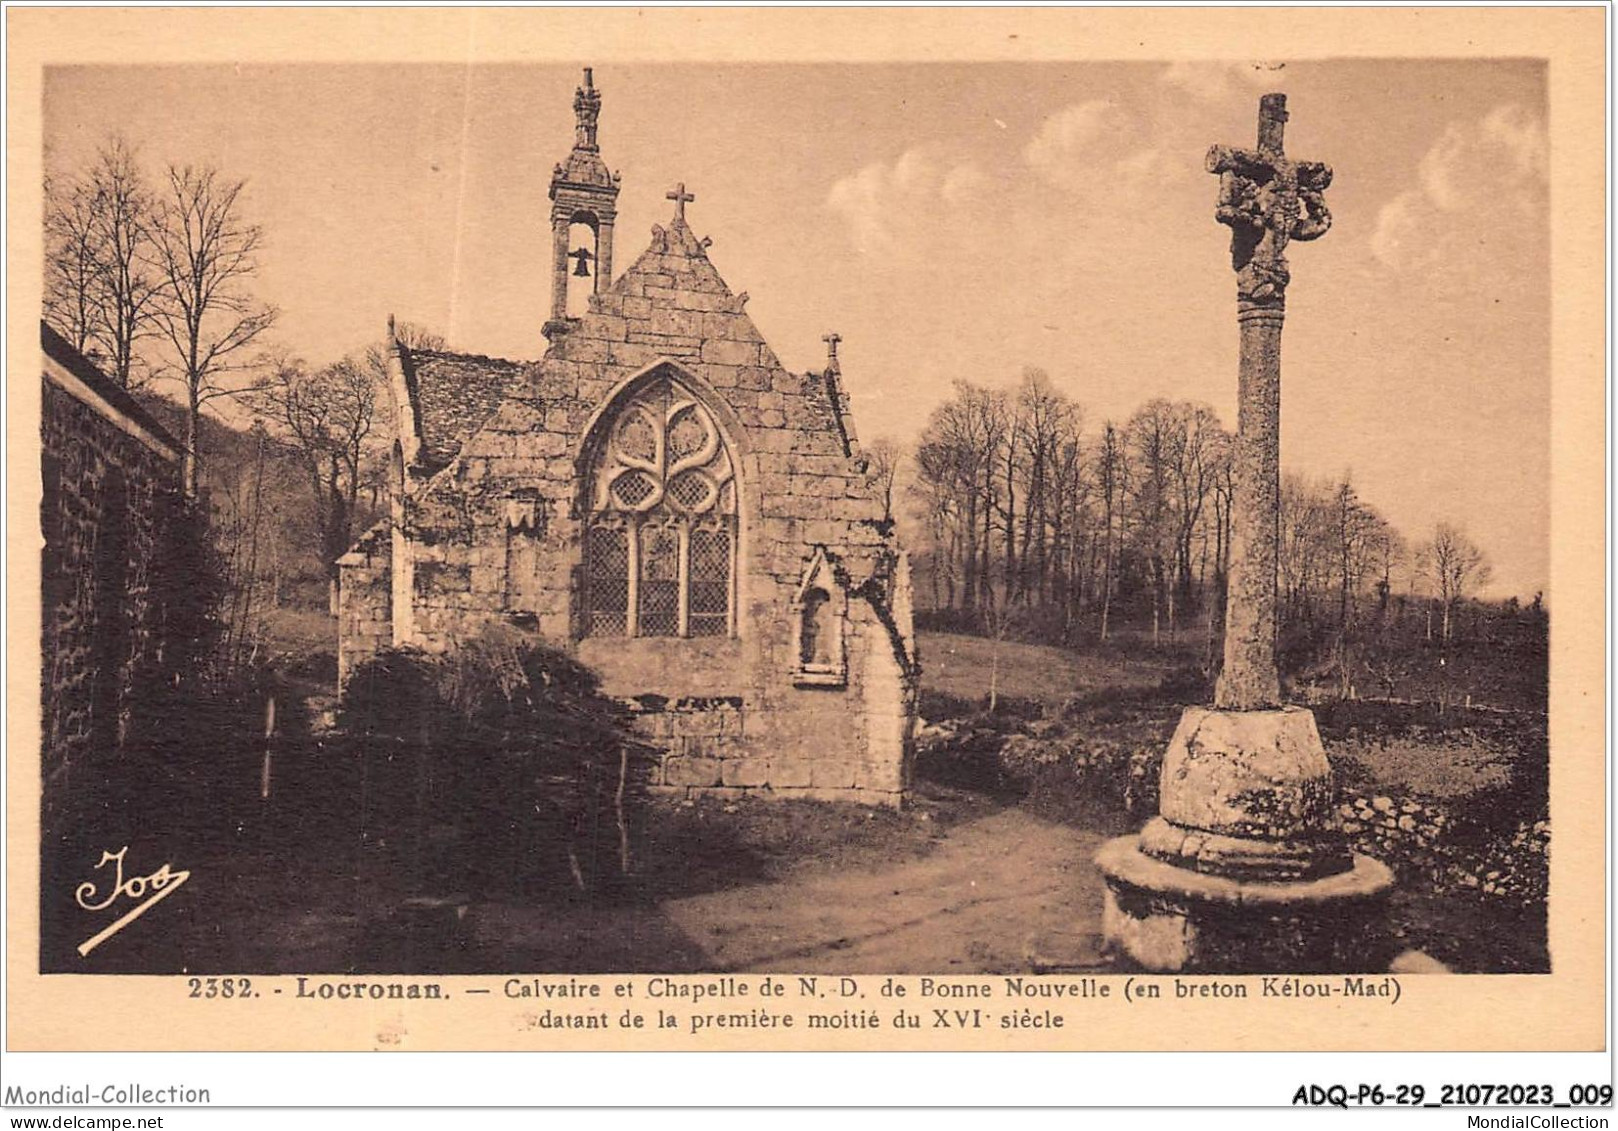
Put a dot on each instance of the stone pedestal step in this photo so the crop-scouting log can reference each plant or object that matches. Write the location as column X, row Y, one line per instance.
column 1066, row 952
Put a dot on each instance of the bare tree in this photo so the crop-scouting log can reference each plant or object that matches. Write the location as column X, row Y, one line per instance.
column 1358, row 535
column 100, row 286
column 1112, row 473
column 883, row 468
column 1194, row 440
column 1044, row 419
column 72, row 256
column 1221, row 487
column 1390, row 550
column 1455, row 567
column 328, row 418
column 1070, row 509
column 956, row 465
column 1151, row 436
column 204, row 254
column 1304, row 564
column 992, row 413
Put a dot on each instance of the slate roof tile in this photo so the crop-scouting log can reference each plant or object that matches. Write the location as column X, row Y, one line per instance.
column 453, row 394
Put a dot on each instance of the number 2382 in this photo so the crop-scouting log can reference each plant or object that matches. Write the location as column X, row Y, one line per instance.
column 220, row 987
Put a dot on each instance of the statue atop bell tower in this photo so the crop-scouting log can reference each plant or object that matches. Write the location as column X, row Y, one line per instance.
column 584, row 195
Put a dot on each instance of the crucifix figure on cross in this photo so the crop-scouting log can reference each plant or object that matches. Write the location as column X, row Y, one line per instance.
column 681, row 198
column 1267, row 200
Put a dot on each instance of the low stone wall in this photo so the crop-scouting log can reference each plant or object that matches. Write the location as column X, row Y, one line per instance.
column 1416, row 837
column 1421, row 839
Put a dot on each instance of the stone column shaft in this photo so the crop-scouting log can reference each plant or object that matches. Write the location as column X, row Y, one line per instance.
column 1249, row 679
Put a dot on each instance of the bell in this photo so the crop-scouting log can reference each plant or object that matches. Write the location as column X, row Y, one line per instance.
column 582, row 271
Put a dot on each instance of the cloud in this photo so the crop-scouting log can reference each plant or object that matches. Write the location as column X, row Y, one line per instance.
column 1213, row 82
column 1072, row 141
column 1093, row 147
column 882, row 199
column 1480, row 188
column 963, row 184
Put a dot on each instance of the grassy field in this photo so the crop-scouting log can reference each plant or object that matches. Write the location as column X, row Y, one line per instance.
column 969, row 668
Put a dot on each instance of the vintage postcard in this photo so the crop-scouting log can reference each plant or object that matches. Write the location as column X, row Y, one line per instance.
column 806, row 530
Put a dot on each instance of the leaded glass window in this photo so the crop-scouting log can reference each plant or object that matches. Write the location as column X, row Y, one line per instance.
column 710, row 582
column 661, row 531
column 607, row 563
column 659, row 581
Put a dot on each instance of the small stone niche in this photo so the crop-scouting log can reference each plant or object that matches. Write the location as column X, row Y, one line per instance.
column 525, row 523
column 819, row 627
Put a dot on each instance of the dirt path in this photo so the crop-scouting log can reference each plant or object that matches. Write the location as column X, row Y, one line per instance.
column 1005, row 893
column 1002, row 891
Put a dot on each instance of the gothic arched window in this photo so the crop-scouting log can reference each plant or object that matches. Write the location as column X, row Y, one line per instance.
column 660, row 542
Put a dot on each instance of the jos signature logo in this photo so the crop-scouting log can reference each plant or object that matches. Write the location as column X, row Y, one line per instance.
column 147, row 889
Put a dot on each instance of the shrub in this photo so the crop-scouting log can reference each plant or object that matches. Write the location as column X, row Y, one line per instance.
column 498, row 765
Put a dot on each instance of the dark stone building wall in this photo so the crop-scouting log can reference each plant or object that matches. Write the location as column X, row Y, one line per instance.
column 111, row 480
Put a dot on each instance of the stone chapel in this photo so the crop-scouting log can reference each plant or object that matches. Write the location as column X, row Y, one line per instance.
column 659, row 495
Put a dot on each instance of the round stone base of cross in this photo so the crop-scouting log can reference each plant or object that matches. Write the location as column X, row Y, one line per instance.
column 1164, row 918
column 1254, row 774
column 1245, row 858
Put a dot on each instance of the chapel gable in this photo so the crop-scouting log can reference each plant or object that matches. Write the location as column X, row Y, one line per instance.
column 661, row 495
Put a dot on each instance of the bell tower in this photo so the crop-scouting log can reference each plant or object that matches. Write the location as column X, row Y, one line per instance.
column 584, row 202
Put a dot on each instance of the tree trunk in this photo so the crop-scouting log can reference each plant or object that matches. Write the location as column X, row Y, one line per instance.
column 193, row 417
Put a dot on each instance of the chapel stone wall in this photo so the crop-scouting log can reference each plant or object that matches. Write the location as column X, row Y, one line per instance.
column 364, row 603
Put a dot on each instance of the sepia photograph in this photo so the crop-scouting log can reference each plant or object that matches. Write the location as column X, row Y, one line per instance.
column 1022, row 523
column 457, row 579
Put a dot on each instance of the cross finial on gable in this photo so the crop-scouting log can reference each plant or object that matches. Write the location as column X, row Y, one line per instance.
column 681, row 198
column 831, row 341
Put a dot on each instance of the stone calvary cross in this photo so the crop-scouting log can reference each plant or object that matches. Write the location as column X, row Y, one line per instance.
column 1267, row 200
column 1241, row 870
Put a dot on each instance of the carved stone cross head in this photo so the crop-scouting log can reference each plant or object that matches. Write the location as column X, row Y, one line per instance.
column 1267, row 200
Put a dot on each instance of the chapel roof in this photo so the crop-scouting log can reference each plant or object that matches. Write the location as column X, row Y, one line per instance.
column 452, row 394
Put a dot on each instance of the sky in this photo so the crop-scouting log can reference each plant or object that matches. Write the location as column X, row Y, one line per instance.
column 961, row 220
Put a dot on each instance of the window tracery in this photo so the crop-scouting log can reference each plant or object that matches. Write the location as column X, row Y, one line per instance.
column 660, row 540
